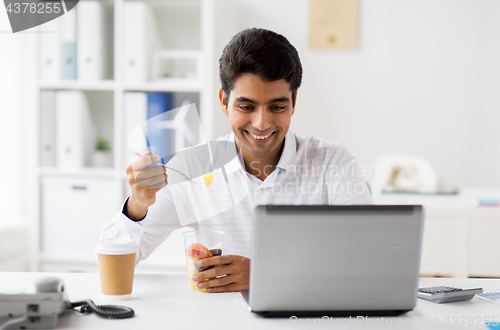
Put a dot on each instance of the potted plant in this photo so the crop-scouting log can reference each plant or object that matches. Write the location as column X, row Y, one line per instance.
column 102, row 157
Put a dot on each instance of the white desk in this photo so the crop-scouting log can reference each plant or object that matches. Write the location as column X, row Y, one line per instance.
column 164, row 302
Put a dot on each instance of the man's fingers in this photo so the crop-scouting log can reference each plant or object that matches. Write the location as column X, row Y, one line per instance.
column 157, row 186
column 219, row 260
column 152, row 177
column 154, row 182
column 213, row 272
column 233, row 287
column 232, row 274
column 144, row 161
column 149, row 172
column 215, row 282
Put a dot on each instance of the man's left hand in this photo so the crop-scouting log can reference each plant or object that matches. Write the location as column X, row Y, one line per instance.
column 236, row 268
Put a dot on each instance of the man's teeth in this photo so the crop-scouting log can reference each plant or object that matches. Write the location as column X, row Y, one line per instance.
column 260, row 137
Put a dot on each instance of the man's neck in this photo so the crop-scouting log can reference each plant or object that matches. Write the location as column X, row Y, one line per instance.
column 262, row 166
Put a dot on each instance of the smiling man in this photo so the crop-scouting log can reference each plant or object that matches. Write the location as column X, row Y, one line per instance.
column 260, row 74
column 260, row 112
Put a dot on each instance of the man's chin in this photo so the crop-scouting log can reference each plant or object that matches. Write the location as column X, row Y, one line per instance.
column 258, row 150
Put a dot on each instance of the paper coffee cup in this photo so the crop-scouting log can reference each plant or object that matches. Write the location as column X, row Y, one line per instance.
column 116, row 260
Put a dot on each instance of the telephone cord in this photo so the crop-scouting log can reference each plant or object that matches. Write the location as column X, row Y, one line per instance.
column 106, row 311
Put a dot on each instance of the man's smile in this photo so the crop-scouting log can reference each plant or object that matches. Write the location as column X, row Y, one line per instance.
column 259, row 137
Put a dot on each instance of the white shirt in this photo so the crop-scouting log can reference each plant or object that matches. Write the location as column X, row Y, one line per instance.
column 310, row 171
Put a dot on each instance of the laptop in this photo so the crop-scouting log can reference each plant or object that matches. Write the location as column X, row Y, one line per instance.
column 315, row 260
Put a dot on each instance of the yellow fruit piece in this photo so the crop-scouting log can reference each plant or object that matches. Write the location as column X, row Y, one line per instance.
column 209, row 179
column 191, row 271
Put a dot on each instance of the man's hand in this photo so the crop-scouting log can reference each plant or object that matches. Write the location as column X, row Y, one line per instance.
column 145, row 181
column 236, row 269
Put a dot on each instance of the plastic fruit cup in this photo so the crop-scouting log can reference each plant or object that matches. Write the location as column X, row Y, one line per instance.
column 197, row 245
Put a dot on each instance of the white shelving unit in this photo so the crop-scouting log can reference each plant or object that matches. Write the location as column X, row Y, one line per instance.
column 168, row 86
column 104, row 85
column 182, row 23
column 82, row 173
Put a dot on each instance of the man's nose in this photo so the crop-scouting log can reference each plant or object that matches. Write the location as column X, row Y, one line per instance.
column 261, row 119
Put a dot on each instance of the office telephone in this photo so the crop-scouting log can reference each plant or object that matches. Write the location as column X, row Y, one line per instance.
column 400, row 173
column 41, row 310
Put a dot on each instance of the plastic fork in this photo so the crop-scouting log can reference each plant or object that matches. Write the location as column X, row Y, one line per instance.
column 173, row 169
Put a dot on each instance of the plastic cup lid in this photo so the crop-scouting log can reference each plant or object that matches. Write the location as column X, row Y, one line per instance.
column 117, row 246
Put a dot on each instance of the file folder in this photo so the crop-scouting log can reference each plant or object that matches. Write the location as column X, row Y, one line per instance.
column 141, row 39
column 92, row 51
column 160, row 141
column 135, row 116
column 47, row 128
column 50, row 51
column 74, row 130
column 68, row 45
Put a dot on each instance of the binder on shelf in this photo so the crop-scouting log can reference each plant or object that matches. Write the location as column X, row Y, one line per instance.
column 141, row 39
column 74, row 130
column 184, row 122
column 68, row 45
column 47, row 128
column 50, row 51
column 160, row 141
column 134, row 117
column 93, row 46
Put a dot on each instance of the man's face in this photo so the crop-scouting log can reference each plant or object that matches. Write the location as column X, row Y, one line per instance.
column 259, row 113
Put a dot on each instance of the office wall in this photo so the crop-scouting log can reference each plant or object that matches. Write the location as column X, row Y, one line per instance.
column 17, row 95
column 424, row 80
column 8, row 96
column 17, row 188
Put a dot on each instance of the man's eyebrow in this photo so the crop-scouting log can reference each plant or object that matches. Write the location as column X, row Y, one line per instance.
column 283, row 99
column 280, row 100
column 244, row 99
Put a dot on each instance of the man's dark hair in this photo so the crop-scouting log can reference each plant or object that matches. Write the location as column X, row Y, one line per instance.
column 264, row 53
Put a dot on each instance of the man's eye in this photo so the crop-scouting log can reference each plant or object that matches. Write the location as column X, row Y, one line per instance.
column 277, row 108
column 244, row 108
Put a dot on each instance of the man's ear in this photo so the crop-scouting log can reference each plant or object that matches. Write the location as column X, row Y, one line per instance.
column 222, row 100
column 294, row 102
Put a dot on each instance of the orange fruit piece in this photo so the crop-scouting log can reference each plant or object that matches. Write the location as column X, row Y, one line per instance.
column 197, row 250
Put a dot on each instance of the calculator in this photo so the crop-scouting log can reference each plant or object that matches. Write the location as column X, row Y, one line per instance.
column 444, row 294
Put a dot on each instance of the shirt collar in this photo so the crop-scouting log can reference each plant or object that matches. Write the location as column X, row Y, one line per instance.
column 289, row 153
column 237, row 162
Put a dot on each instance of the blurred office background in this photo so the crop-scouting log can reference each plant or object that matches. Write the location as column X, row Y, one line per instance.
column 416, row 102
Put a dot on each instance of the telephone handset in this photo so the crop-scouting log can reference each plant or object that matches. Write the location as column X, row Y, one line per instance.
column 40, row 310
column 49, row 285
